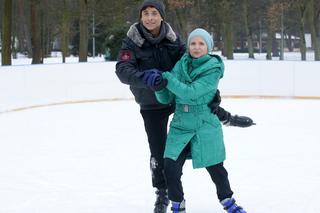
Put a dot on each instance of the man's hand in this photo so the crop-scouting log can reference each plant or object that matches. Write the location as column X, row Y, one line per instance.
column 215, row 102
column 240, row 121
column 151, row 77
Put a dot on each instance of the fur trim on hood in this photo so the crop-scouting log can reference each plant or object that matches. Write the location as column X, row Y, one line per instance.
column 134, row 34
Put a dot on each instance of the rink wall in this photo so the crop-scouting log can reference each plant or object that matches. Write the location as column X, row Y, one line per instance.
column 37, row 85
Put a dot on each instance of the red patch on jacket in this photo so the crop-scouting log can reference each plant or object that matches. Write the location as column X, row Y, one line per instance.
column 125, row 55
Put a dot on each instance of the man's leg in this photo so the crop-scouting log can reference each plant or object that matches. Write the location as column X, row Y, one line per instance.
column 156, row 122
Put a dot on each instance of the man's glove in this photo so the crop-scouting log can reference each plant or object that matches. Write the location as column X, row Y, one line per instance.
column 215, row 102
column 240, row 121
column 151, row 77
column 163, row 83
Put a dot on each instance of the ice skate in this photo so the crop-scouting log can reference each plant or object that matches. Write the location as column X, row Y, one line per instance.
column 230, row 206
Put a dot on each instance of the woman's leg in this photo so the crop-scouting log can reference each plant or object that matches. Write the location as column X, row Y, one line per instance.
column 219, row 176
column 173, row 173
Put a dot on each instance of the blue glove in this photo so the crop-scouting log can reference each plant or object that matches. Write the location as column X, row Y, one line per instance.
column 152, row 77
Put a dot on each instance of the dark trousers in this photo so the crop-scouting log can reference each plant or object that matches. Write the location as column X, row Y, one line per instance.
column 155, row 123
column 173, row 173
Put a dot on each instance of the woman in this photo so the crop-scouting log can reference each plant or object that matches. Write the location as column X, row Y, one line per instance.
column 194, row 130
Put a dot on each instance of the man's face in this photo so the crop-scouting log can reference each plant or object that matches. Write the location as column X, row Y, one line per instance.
column 151, row 19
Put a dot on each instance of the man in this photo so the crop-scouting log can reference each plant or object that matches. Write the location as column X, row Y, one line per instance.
column 152, row 44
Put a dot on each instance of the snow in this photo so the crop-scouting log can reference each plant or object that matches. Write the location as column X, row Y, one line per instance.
column 56, row 58
column 93, row 157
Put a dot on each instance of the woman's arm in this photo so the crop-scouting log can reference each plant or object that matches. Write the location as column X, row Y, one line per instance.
column 197, row 88
column 164, row 96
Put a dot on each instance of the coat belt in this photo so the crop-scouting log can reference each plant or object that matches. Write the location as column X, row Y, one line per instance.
column 192, row 108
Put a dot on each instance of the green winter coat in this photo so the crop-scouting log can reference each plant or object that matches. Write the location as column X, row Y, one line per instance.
column 192, row 84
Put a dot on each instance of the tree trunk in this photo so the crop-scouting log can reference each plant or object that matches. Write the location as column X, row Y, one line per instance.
column 83, row 46
column 269, row 44
column 182, row 22
column 25, row 32
column 228, row 29
column 303, row 48
column 35, row 32
column 13, row 48
column 275, row 45
column 289, row 42
column 6, row 33
column 248, row 29
column 312, row 23
column 65, row 32
column 45, row 29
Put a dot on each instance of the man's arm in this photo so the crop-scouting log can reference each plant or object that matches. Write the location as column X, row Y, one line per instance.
column 225, row 117
column 127, row 69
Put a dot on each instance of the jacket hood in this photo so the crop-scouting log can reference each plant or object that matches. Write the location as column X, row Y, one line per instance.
column 200, row 65
column 134, row 34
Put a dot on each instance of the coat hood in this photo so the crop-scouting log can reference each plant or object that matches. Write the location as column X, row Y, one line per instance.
column 135, row 35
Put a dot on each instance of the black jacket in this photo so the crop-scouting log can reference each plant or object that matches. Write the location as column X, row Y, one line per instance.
column 139, row 53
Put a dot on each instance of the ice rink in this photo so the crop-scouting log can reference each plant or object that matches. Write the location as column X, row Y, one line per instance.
column 93, row 158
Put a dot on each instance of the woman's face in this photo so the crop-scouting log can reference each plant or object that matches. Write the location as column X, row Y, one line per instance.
column 198, row 47
column 151, row 19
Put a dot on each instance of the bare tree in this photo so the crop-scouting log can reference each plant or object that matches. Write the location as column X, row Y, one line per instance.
column 65, row 31
column 35, row 32
column 302, row 8
column 83, row 46
column 248, row 28
column 313, row 23
column 6, row 33
column 23, row 30
column 227, row 27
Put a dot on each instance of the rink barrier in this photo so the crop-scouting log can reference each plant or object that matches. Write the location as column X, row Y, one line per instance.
column 22, row 87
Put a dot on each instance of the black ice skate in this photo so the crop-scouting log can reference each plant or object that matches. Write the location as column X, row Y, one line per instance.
column 162, row 201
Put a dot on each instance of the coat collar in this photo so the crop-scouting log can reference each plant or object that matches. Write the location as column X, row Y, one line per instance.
column 135, row 35
column 191, row 68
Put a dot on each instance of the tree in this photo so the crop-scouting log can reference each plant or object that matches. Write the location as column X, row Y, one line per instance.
column 227, row 7
column 23, row 31
column 6, row 33
column 248, row 28
column 83, row 45
column 35, row 32
column 301, row 6
column 65, row 31
column 180, row 9
column 313, row 17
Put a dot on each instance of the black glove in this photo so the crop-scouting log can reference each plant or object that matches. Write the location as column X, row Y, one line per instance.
column 240, row 121
column 161, row 85
column 215, row 102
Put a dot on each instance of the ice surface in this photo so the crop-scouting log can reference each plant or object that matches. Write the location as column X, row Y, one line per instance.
column 93, row 158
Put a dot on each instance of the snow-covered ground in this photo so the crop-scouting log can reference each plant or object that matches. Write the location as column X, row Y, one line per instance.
column 93, row 158
column 56, row 58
